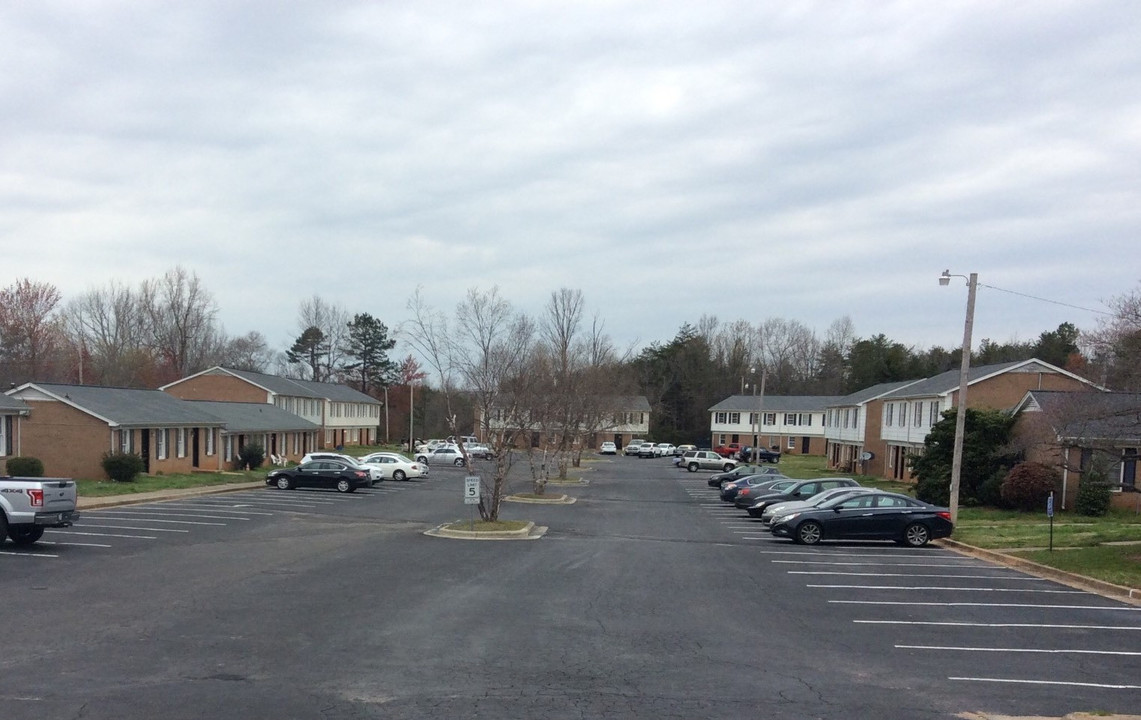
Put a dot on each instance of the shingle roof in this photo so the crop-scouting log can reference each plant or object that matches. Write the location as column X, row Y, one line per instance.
column 11, row 404
column 873, row 392
column 945, row 383
column 303, row 388
column 777, row 403
column 131, row 406
column 1092, row 415
column 254, row 417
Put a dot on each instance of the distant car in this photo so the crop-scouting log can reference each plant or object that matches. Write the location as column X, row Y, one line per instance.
column 607, row 448
column 784, row 508
column 695, row 460
column 646, row 450
column 741, row 471
column 633, row 447
column 876, row 515
column 763, row 455
column 479, row 450
column 683, row 449
column 730, row 491
column 663, row 450
column 442, row 456
column 394, row 466
column 374, row 473
column 343, row 477
column 801, row 491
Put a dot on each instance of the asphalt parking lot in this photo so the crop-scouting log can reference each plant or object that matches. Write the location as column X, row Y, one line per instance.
column 647, row 598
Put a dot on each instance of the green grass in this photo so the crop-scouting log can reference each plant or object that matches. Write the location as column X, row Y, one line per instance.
column 149, row 483
column 1003, row 529
column 1118, row 564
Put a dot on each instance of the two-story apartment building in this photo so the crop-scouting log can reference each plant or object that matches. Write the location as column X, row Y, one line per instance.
column 850, row 421
column 619, row 420
column 345, row 416
column 11, row 411
column 793, row 424
column 907, row 414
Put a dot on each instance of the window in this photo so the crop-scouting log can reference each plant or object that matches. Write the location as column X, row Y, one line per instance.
column 847, row 416
column 5, row 433
column 791, row 443
column 210, row 441
column 1129, row 468
column 790, row 418
column 889, row 414
column 806, row 419
column 917, row 414
column 752, row 418
column 933, row 413
column 180, row 447
column 770, row 418
column 125, row 444
column 721, row 439
column 735, row 418
column 855, row 417
column 903, row 414
column 160, row 444
column 721, row 418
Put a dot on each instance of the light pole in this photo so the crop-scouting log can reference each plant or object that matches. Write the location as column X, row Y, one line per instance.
column 961, row 405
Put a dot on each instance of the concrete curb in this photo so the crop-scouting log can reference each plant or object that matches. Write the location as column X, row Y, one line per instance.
column 1081, row 582
column 529, row 532
column 94, row 503
column 559, row 500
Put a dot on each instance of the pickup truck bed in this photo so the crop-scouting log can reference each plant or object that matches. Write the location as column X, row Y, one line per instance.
column 28, row 505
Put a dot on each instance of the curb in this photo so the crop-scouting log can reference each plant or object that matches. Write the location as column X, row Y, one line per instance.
column 1081, row 582
column 529, row 532
column 95, row 503
column 554, row 500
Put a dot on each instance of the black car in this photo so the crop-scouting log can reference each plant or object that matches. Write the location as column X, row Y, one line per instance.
column 872, row 516
column 763, row 455
column 718, row 479
column 320, row 473
column 800, row 491
column 758, row 483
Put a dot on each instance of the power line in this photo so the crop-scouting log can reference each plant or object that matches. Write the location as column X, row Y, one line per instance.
column 1046, row 300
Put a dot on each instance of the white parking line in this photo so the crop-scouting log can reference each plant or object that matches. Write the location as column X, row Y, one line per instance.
column 243, row 509
column 1105, row 686
column 1025, row 578
column 74, row 532
column 28, row 554
column 872, row 551
column 127, row 527
column 73, row 544
column 910, row 603
column 142, row 518
column 1066, row 651
column 879, row 564
column 163, row 513
column 1046, row 626
column 956, row 589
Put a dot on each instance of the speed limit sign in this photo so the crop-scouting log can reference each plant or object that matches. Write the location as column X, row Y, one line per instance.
column 471, row 490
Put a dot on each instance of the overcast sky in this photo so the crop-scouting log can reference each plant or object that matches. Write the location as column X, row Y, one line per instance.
column 670, row 159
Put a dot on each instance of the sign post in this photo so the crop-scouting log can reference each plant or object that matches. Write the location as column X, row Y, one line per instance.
column 471, row 494
column 1050, row 514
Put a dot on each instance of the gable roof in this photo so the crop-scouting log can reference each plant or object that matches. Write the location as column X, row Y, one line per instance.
column 875, row 391
column 948, row 382
column 241, row 417
column 11, row 405
column 130, row 407
column 1087, row 416
column 776, row 403
column 288, row 386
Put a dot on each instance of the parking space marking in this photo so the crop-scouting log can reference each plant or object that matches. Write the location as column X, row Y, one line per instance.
column 1024, row 578
column 1046, row 626
column 1105, row 686
column 220, row 506
column 74, row 544
column 127, row 527
column 874, row 550
column 911, row 603
column 953, row 589
column 1045, row 651
column 75, row 532
column 878, row 563
column 28, row 554
column 165, row 513
column 140, row 518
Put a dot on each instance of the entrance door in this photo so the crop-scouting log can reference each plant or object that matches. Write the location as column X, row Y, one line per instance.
column 194, row 447
column 804, row 446
column 145, row 448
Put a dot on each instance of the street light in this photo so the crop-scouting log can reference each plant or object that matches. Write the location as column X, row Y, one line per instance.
column 760, row 409
column 961, row 405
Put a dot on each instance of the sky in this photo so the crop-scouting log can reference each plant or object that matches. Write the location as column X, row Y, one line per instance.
column 670, row 159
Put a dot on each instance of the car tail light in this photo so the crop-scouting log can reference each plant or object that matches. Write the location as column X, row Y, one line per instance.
column 360, row 473
column 37, row 497
column 744, row 492
column 945, row 515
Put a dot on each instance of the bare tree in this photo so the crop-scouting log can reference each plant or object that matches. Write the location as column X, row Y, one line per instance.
column 180, row 313
column 1115, row 345
column 30, row 330
column 332, row 322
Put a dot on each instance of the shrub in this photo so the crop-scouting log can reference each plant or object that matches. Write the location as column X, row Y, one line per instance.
column 1094, row 494
column 933, row 490
column 1028, row 484
column 25, row 466
column 990, row 491
column 251, row 457
column 122, row 467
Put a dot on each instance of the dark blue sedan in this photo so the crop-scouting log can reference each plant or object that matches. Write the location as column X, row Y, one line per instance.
column 870, row 516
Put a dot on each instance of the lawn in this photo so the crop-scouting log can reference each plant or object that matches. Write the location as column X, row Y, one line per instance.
column 150, row 483
column 1006, row 529
column 1118, row 564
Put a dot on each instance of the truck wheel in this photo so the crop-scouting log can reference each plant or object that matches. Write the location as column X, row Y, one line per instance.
column 692, row 467
column 25, row 534
column 3, row 527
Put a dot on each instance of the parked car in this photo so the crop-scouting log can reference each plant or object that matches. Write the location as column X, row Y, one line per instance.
column 375, row 474
column 763, row 455
column 442, row 456
column 646, row 450
column 876, row 515
column 784, row 508
column 683, row 449
column 730, row 450
column 28, row 505
column 733, row 488
column 607, row 448
column 695, row 460
column 479, row 450
column 800, row 491
column 633, row 447
column 320, row 473
column 741, row 471
column 664, row 450
column 394, row 466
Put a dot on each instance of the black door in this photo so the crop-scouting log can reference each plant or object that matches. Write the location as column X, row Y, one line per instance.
column 145, row 448
column 194, row 447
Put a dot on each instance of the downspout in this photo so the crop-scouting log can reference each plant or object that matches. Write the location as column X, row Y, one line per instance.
column 1065, row 473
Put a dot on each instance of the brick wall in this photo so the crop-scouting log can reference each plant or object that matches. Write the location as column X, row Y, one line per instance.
column 70, row 443
column 225, row 388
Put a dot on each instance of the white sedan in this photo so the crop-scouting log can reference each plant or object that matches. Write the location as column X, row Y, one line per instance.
column 394, row 466
column 607, row 448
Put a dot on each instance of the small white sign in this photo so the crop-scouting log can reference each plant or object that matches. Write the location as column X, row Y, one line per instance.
column 471, row 490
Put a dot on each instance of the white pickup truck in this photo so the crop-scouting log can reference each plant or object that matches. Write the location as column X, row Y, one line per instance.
column 28, row 505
